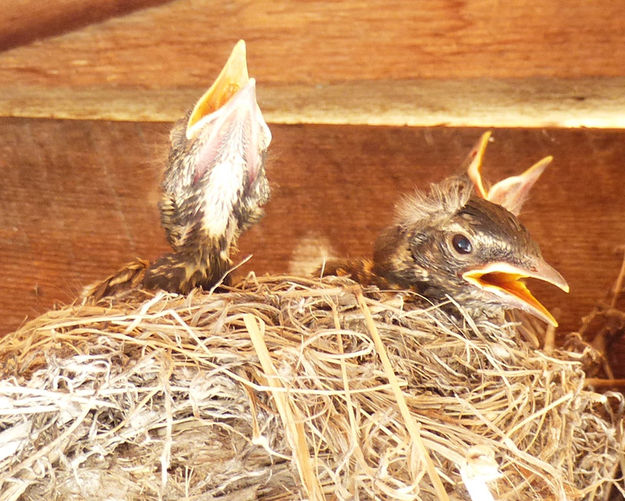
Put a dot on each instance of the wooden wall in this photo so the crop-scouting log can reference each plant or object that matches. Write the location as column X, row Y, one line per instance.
column 366, row 101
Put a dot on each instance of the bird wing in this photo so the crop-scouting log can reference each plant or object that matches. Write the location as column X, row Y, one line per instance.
column 360, row 270
column 180, row 225
column 128, row 278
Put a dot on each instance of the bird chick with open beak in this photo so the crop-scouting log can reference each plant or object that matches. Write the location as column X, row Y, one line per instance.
column 462, row 242
column 214, row 187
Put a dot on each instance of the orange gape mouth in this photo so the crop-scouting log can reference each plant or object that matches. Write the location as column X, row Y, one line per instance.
column 233, row 77
column 512, row 284
column 508, row 282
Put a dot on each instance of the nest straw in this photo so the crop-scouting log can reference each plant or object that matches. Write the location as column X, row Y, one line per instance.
column 289, row 388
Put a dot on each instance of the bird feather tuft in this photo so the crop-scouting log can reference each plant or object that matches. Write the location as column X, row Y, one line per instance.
column 441, row 202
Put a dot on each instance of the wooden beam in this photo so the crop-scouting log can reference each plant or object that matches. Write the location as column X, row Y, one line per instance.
column 532, row 102
column 184, row 44
column 23, row 21
column 78, row 200
column 480, row 63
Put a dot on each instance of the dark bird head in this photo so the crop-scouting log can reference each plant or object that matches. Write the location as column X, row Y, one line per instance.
column 214, row 186
column 454, row 243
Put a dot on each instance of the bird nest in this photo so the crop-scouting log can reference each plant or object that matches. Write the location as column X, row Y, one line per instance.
column 288, row 388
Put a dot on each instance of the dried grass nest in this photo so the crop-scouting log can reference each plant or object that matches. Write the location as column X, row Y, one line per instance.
column 292, row 388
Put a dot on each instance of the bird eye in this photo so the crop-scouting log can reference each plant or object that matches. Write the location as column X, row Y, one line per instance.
column 462, row 244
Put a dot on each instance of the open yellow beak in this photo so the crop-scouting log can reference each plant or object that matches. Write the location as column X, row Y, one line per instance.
column 233, row 77
column 474, row 164
column 507, row 282
column 511, row 192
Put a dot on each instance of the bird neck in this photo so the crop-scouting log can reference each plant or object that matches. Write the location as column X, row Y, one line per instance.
column 401, row 267
column 200, row 266
column 392, row 258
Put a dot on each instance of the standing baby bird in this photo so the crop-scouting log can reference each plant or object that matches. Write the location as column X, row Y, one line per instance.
column 462, row 242
column 214, row 188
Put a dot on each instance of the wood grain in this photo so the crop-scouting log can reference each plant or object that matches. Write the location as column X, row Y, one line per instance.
column 78, row 199
column 525, row 63
column 178, row 44
column 532, row 102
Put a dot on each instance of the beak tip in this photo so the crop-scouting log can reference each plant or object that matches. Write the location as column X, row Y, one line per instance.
column 560, row 282
column 239, row 51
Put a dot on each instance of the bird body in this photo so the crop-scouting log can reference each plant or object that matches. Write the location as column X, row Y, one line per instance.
column 454, row 243
column 213, row 188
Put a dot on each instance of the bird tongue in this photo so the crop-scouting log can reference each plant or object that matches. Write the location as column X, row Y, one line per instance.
column 507, row 282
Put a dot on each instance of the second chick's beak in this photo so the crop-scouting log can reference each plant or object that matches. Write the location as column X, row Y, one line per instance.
column 507, row 281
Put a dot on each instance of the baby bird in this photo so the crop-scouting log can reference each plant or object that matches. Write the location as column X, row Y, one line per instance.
column 213, row 189
column 462, row 242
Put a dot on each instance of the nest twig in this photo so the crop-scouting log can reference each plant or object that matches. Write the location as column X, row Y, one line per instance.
column 288, row 388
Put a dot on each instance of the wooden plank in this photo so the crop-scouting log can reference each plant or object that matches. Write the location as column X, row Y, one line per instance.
column 389, row 62
column 180, row 43
column 533, row 102
column 78, row 199
column 23, row 21
column 65, row 183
